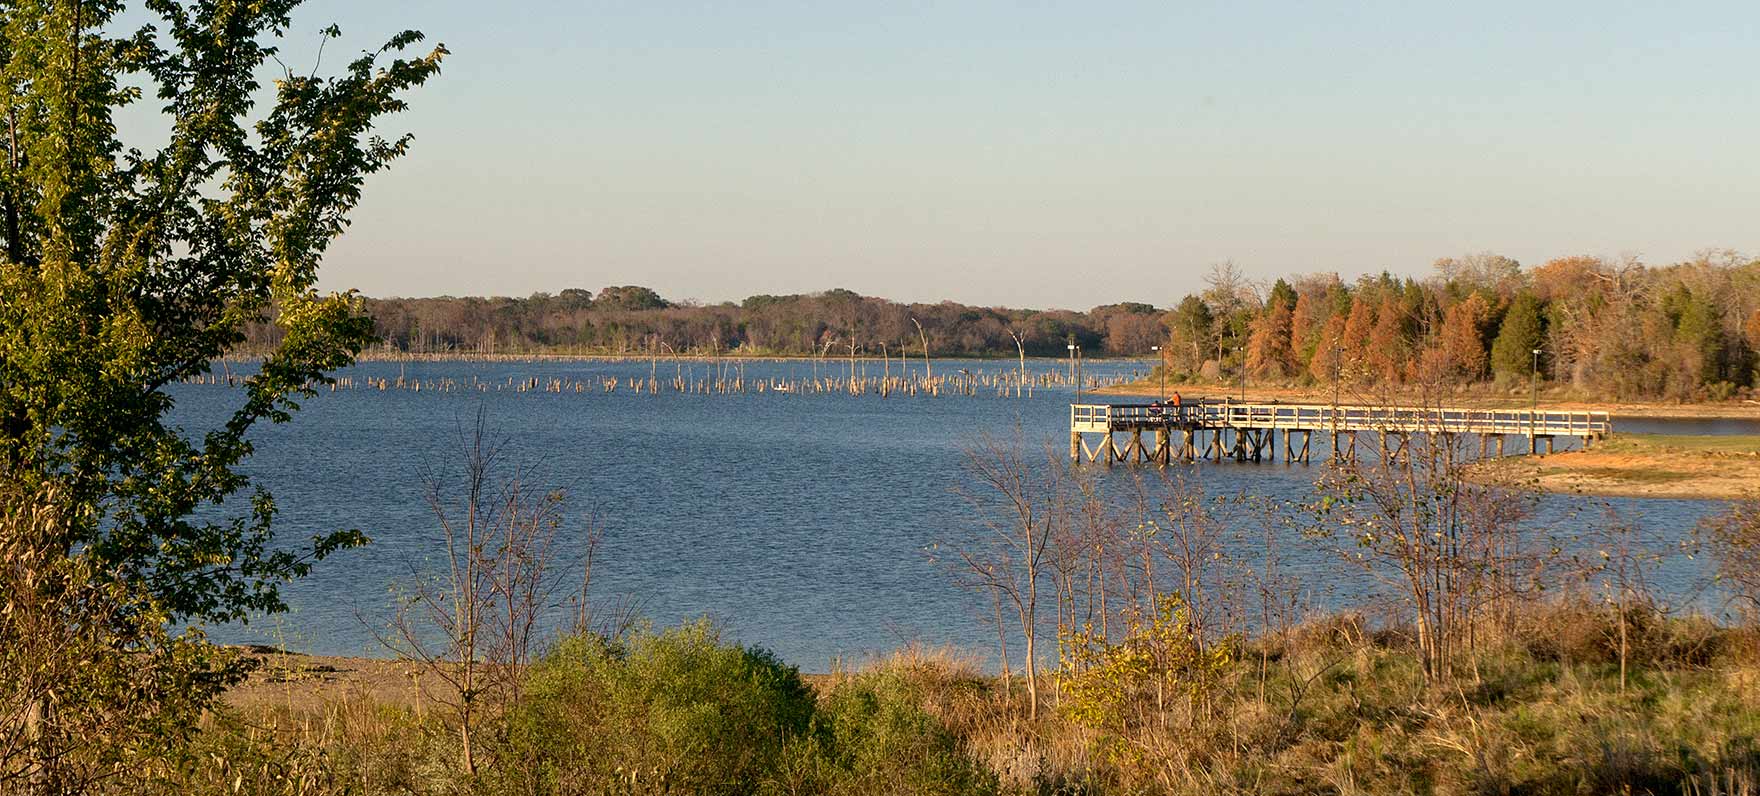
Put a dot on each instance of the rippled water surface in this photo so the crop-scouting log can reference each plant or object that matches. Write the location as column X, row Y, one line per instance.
column 801, row 521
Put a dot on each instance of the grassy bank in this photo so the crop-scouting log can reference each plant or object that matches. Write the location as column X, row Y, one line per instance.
column 1332, row 707
column 1645, row 465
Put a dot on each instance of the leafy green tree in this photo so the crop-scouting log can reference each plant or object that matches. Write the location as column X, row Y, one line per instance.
column 128, row 267
column 1512, row 353
column 631, row 297
column 1698, row 330
column 1189, row 335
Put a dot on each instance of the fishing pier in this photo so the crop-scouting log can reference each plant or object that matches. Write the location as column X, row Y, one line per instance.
column 1212, row 429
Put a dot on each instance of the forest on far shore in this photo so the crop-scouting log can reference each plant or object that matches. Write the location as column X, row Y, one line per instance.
column 1619, row 329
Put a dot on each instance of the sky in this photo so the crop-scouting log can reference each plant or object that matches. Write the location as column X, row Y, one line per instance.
column 1043, row 154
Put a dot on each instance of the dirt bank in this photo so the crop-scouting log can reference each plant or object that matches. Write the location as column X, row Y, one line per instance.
column 1645, row 465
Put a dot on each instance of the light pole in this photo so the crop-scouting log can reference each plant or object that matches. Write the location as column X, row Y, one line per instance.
column 1160, row 394
column 1337, row 367
column 1534, row 406
column 1243, row 352
column 1072, row 371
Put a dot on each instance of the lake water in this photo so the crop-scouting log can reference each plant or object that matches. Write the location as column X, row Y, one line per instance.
column 799, row 521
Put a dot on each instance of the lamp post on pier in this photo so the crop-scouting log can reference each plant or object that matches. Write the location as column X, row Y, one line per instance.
column 1161, row 393
column 1072, row 372
column 1242, row 350
column 1534, row 406
column 1337, row 373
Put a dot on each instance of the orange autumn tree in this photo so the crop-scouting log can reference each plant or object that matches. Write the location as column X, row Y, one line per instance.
column 1463, row 337
column 1328, row 361
column 1304, row 327
column 1268, row 349
column 1358, row 327
column 1389, row 349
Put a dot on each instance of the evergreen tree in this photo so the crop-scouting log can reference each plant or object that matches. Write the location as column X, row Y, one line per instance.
column 1282, row 295
column 1521, row 332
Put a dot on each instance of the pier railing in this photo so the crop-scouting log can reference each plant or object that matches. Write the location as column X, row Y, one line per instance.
column 1100, row 418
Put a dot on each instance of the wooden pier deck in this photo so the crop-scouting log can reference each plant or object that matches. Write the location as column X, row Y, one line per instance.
column 1249, row 432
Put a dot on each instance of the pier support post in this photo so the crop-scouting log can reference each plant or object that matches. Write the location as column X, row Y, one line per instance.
column 1075, row 446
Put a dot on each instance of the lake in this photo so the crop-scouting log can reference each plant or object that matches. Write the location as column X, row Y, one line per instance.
column 800, row 521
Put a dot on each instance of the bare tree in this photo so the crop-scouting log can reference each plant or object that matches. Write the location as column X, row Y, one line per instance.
column 928, row 371
column 1449, row 547
column 473, row 628
column 1621, row 561
column 1733, row 539
column 1023, row 503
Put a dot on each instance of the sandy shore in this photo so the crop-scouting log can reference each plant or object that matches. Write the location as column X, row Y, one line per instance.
column 305, row 681
column 1645, row 465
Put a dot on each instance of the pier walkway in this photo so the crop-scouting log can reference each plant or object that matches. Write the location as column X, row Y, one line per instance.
column 1249, row 431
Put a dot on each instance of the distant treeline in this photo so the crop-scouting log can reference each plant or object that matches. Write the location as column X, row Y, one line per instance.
column 628, row 319
column 1614, row 328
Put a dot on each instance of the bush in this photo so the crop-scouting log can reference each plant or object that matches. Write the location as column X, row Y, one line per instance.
column 683, row 712
column 676, row 712
column 872, row 736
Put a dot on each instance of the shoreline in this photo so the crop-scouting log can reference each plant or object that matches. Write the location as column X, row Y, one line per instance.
column 639, row 356
column 1659, row 466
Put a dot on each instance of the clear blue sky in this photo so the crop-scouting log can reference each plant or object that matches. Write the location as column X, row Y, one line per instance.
column 1062, row 154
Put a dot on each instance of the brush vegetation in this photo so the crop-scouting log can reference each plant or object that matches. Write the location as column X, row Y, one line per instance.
column 1335, row 706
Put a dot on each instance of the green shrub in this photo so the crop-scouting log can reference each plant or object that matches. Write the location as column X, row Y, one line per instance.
column 872, row 736
column 670, row 712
